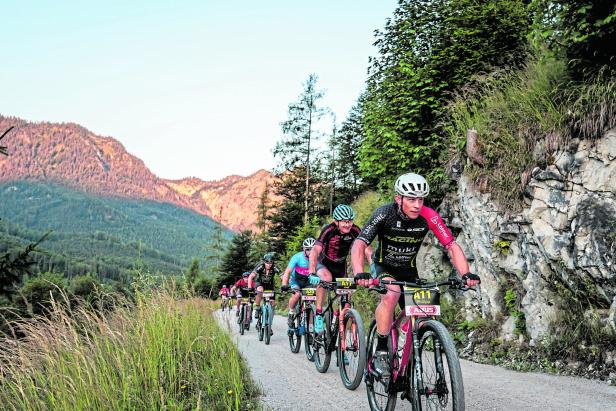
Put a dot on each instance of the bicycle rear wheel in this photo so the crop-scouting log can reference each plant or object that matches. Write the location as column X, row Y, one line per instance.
column 379, row 398
column 443, row 388
column 322, row 353
column 352, row 361
column 295, row 338
column 267, row 322
column 309, row 332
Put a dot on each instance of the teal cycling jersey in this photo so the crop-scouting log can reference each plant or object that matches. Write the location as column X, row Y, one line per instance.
column 299, row 263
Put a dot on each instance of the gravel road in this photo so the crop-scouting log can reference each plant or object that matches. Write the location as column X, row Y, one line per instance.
column 290, row 382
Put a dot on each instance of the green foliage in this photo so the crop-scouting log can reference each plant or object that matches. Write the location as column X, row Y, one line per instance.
column 40, row 292
column 511, row 114
column 427, row 50
column 192, row 274
column 100, row 235
column 365, row 205
column 163, row 353
column 294, row 242
column 502, row 246
column 512, row 303
column 13, row 265
column 85, row 287
column 583, row 30
column 237, row 258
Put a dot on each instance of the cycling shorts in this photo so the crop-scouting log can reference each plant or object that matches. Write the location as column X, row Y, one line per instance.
column 378, row 270
column 337, row 270
column 298, row 281
column 266, row 286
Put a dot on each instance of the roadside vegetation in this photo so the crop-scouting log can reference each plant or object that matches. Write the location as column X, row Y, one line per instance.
column 161, row 352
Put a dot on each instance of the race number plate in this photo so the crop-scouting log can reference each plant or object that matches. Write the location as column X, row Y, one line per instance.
column 268, row 294
column 421, row 302
column 309, row 294
column 345, row 286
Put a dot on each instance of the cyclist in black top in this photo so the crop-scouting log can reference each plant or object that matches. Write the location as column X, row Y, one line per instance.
column 328, row 256
column 401, row 228
column 262, row 277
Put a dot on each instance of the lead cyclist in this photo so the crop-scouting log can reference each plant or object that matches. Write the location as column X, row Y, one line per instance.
column 401, row 227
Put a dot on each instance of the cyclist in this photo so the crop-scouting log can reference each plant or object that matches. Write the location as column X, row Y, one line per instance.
column 401, row 227
column 262, row 277
column 328, row 256
column 296, row 275
column 237, row 290
column 224, row 293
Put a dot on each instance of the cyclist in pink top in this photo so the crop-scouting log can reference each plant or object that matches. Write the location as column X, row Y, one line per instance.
column 401, row 228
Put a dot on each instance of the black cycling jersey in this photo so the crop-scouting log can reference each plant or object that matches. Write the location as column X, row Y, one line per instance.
column 400, row 237
column 336, row 245
column 264, row 277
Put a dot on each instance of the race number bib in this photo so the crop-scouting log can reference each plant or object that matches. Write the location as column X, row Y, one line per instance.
column 309, row 294
column 421, row 302
column 345, row 286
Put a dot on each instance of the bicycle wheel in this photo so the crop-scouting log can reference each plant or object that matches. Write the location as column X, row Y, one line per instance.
column 442, row 387
column 352, row 361
column 309, row 332
column 267, row 322
column 259, row 325
column 295, row 338
column 322, row 344
column 241, row 319
column 378, row 397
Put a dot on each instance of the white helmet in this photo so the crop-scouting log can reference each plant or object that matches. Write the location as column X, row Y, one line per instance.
column 308, row 243
column 412, row 185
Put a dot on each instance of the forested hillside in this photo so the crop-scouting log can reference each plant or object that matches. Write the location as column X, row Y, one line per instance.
column 102, row 235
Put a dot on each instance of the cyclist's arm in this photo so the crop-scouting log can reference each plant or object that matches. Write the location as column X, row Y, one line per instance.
column 314, row 257
column 251, row 280
column 358, row 253
column 368, row 254
column 285, row 276
column 458, row 259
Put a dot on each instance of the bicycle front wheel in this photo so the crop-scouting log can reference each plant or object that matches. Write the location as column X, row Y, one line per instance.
column 441, row 387
column 259, row 325
column 267, row 322
column 322, row 353
column 379, row 397
column 352, row 360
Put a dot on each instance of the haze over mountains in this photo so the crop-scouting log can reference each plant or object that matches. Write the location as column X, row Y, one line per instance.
column 73, row 156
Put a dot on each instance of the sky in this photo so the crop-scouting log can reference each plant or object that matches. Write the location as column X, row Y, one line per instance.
column 193, row 88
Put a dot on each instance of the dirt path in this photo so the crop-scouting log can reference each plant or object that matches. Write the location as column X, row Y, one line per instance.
column 290, row 382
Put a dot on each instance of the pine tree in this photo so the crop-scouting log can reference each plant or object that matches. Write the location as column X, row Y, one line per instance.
column 237, row 258
column 300, row 132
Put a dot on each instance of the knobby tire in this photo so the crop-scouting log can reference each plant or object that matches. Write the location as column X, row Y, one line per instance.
column 356, row 350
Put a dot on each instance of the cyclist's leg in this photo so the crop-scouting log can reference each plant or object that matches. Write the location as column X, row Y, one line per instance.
column 295, row 286
column 324, row 274
column 259, row 289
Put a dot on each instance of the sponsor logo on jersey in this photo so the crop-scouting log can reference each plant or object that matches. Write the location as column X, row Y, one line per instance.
column 416, row 229
column 347, row 237
column 402, row 239
column 398, row 224
column 440, row 226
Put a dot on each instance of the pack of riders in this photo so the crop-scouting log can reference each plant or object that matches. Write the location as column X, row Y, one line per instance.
column 398, row 228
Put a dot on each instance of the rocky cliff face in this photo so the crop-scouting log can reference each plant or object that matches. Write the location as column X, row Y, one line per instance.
column 72, row 155
column 561, row 246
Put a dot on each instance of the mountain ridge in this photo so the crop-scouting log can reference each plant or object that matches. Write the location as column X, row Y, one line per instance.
column 70, row 154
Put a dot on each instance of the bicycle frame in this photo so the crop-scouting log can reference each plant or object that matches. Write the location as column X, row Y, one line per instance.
column 345, row 305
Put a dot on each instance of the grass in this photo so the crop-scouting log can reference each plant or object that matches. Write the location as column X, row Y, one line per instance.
column 522, row 118
column 162, row 353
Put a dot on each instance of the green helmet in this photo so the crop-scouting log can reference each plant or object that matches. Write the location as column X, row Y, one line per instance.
column 268, row 258
column 343, row 212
